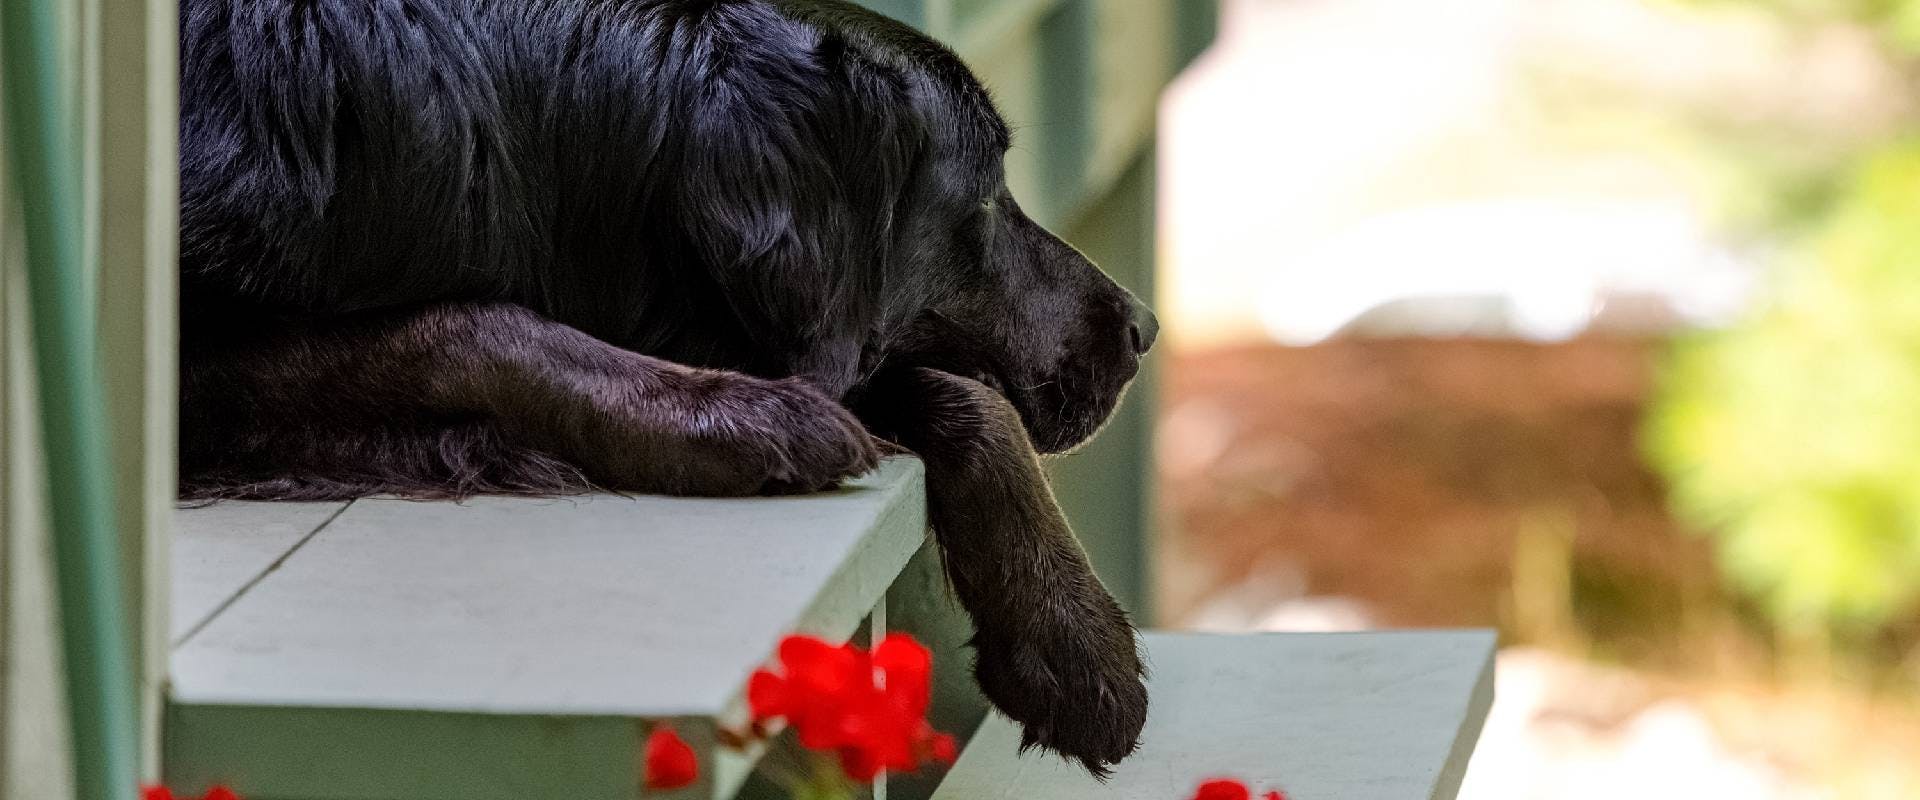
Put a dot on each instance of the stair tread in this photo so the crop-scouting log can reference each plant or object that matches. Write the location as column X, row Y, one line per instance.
column 516, row 623
column 1352, row 716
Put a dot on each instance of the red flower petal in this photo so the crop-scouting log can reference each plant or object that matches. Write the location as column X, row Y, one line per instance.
column 1274, row 795
column 819, row 666
column 1224, row 789
column 768, row 696
column 221, row 793
column 155, row 792
column 670, row 762
column 867, row 708
column 859, row 764
column 907, row 668
column 821, row 679
column 944, row 748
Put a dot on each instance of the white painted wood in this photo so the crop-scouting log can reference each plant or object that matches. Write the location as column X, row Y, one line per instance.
column 221, row 548
column 1322, row 716
column 609, row 606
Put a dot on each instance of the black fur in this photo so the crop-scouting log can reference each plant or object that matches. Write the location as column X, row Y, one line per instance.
column 445, row 247
column 1055, row 651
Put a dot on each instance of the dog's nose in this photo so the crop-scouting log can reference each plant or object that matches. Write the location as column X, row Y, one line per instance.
column 1144, row 327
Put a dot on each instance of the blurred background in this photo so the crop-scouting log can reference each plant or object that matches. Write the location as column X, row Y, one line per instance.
column 1596, row 321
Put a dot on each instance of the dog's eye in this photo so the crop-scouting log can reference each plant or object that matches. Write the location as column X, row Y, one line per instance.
column 987, row 222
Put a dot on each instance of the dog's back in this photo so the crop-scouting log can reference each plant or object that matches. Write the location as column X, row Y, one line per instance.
column 340, row 155
column 344, row 153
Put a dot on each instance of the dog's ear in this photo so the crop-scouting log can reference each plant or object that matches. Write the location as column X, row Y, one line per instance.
column 793, row 159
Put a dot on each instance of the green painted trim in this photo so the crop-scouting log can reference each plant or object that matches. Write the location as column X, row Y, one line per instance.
column 280, row 753
column 94, row 638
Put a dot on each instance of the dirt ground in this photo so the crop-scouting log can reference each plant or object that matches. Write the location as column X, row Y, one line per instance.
column 1401, row 474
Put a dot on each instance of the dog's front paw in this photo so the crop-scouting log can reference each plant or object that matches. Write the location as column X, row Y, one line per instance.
column 1075, row 684
column 777, row 437
column 723, row 435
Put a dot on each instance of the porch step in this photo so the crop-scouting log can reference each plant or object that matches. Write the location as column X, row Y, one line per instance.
column 502, row 648
column 1323, row 716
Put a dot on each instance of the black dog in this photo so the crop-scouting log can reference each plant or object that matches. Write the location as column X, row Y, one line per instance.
column 447, row 247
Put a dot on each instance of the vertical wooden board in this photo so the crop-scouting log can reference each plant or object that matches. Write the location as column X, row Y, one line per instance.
column 6, row 452
column 133, row 103
column 1131, row 57
column 1066, row 112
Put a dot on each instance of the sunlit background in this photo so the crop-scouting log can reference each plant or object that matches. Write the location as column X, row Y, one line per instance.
column 1597, row 321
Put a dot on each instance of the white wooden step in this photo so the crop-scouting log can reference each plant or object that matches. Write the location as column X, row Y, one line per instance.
column 502, row 647
column 1322, row 716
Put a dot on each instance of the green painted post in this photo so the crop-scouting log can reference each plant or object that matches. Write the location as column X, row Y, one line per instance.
column 41, row 141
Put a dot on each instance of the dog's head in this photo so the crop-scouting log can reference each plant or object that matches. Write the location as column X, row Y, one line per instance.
column 849, row 191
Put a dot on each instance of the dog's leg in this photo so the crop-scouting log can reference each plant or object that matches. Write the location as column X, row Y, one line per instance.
column 455, row 399
column 1054, row 651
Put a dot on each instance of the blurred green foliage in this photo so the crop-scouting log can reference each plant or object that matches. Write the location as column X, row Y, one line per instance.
column 1795, row 435
column 1896, row 20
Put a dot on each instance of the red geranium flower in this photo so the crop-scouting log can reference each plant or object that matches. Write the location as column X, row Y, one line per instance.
column 670, row 762
column 158, row 792
column 1230, row 789
column 944, row 749
column 868, row 708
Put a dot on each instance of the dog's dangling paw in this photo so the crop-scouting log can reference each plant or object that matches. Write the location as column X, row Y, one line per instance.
column 1078, row 690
